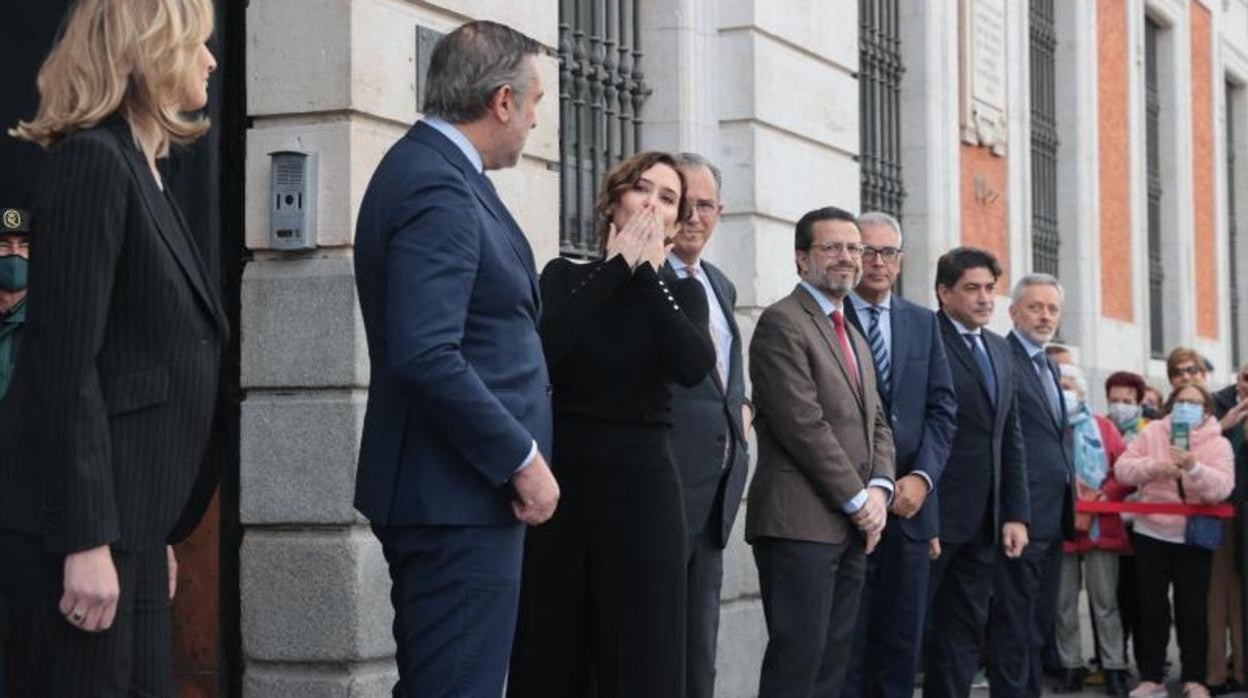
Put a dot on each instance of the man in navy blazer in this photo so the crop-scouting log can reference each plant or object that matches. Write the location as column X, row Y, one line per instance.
column 1023, row 613
column 458, row 421
column 915, row 385
column 983, row 489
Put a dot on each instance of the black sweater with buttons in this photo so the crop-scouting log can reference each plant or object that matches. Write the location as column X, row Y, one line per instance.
column 614, row 337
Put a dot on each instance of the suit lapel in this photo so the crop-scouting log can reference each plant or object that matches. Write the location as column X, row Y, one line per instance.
column 823, row 324
column 957, row 347
column 485, row 191
column 668, row 272
column 721, row 296
column 486, row 194
column 999, row 356
column 176, row 238
column 899, row 316
column 1034, row 379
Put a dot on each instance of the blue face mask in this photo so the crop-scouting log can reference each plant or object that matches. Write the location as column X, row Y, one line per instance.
column 12, row 273
column 1187, row 413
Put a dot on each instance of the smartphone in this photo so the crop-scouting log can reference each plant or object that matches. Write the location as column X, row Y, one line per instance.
column 1181, row 435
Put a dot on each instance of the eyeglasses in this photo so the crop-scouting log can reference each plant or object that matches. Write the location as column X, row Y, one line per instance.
column 888, row 254
column 836, row 249
column 1191, row 371
column 706, row 208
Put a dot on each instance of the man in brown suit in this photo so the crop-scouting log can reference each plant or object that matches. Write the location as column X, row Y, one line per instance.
column 819, row 498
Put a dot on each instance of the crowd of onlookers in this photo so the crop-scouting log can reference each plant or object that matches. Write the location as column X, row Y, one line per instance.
column 1184, row 447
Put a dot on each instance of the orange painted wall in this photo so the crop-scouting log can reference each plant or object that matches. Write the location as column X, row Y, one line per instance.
column 196, row 631
column 1202, row 173
column 985, row 223
column 1114, row 159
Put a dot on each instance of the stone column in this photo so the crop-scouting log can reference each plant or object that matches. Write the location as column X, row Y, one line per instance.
column 335, row 78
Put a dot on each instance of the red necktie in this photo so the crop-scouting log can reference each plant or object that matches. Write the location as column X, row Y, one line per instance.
column 838, row 322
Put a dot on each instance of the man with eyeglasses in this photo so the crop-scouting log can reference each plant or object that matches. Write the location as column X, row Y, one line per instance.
column 710, row 425
column 818, row 502
column 912, row 373
column 1185, row 365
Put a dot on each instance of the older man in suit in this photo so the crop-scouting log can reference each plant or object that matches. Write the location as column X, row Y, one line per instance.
column 912, row 373
column 983, row 489
column 1024, row 610
column 818, row 502
column 458, row 422
column 710, row 424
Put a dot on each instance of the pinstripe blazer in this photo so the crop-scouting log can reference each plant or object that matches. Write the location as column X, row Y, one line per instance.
column 109, row 430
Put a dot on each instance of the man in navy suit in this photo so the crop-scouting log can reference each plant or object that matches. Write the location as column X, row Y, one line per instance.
column 452, row 458
column 1023, row 613
column 983, row 489
column 917, row 390
column 710, row 425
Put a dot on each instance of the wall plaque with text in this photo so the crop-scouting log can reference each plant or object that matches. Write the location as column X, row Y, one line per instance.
column 982, row 59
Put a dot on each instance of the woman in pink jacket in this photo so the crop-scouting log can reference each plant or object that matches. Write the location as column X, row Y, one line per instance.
column 1202, row 474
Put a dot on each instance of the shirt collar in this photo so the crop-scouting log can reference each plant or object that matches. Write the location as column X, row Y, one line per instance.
column 1028, row 346
column 679, row 264
column 16, row 314
column 862, row 304
column 457, row 137
column 827, row 305
column 962, row 328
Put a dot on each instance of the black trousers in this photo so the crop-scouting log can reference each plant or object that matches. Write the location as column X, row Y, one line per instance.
column 892, row 610
column 602, row 600
column 53, row 658
column 705, row 579
column 961, row 584
column 1128, row 601
column 1159, row 564
column 1021, row 616
column 810, row 602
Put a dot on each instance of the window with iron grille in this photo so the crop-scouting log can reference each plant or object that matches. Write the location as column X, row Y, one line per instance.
column 1045, row 239
column 879, row 106
column 601, row 93
column 1237, row 355
column 1152, row 116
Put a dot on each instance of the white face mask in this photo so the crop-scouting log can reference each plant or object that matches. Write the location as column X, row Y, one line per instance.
column 1123, row 413
column 1071, row 399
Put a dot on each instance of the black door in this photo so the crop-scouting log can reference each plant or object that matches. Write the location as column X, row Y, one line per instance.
column 207, row 179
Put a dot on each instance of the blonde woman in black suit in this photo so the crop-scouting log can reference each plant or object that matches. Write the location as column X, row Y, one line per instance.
column 110, row 432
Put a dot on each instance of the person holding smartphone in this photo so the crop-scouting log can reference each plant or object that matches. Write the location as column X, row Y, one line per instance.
column 1181, row 458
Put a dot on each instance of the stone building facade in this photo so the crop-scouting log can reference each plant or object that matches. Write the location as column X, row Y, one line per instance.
column 771, row 92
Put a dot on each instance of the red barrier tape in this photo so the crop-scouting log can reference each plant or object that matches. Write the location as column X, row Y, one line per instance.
column 1218, row 511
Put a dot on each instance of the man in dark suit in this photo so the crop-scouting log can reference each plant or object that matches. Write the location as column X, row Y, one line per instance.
column 912, row 373
column 458, row 421
column 818, row 502
column 710, row 424
column 983, row 489
column 1022, row 614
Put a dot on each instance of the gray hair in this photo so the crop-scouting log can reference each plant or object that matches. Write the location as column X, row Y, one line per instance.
column 694, row 161
column 469, row 65
column 1036, row 279
column 1075, row 374
column 881, row 218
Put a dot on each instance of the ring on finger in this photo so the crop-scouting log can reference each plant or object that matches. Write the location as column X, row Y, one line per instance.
column 78, row 616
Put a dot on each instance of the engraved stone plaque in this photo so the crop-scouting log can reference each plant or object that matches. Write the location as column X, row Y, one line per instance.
column 982, row 59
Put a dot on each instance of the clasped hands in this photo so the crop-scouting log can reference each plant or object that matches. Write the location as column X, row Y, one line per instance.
column 642, row 239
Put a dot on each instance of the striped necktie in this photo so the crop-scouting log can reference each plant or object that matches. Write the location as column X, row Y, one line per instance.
column 879, row 352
